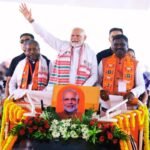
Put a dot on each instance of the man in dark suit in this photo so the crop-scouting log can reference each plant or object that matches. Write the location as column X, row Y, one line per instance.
column 108, row 52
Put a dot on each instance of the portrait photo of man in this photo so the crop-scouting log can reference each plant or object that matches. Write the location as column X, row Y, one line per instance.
column 70, row 103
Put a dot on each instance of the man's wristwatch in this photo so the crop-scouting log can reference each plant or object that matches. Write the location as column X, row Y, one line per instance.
column 32, row 20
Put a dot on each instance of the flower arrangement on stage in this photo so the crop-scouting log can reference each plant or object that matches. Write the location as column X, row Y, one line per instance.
column 48, row 126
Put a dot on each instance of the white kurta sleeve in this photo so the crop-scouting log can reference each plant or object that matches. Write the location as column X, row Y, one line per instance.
column 139, row 79
column 100, row 73
column 92, row 80
column 51, row 40
column 13, row 82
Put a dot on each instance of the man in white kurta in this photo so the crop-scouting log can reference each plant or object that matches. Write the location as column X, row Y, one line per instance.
column 30, row 77
column 32, row 72
column 76, row 62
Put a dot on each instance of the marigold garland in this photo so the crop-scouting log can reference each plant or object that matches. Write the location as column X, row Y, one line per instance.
column 139, row 117
column 6, row 110
column 129, row 144
column 146, row 127
column 20, row 113
column 10, row 142
column 16, row 109
column 11, row 113
column 126, row 123
column 120, row 122
column 13, row 140
column 123, row 145
column 132, row 120
column 3, row 123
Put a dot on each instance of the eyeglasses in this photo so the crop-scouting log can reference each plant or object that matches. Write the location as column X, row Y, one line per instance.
column 22, row 41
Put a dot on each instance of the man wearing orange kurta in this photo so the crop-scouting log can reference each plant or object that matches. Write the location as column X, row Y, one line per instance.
column 120, row 74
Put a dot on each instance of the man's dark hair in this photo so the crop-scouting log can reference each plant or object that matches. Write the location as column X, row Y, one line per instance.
column 120, row 36
column 115, row 29
column 27, row 34
column 129, row 49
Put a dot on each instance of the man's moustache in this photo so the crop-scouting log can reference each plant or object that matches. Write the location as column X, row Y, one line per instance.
column 120, row 49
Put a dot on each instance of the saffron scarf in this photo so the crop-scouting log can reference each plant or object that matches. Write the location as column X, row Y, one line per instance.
column 61, row 69
column 113, row 71
column 39, row 76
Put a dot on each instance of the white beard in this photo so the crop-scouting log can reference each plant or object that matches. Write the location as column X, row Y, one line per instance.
column 71, row 110
column 75, row 44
